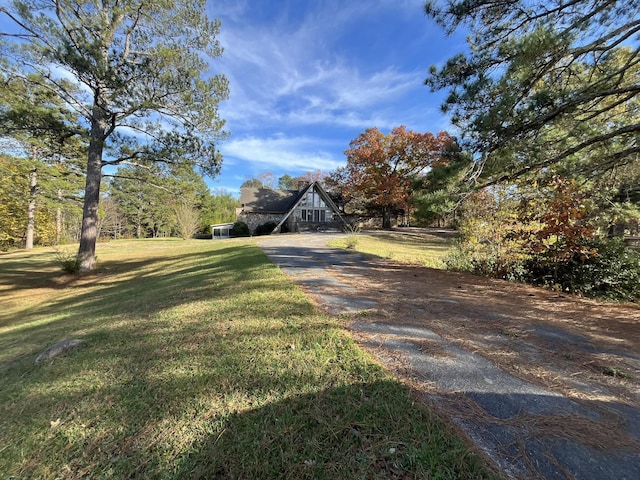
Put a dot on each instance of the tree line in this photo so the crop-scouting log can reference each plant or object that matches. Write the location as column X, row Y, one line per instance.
column 41, row 203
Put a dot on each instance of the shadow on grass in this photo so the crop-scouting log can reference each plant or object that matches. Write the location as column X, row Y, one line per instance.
column 232, row 391
column 28, row 269
column 139, row 291
column 366, row 430
column 206, row 401
column 42, row 269
column 146, row 425
column 226, row 387
column 219, row 399
column 371, row 430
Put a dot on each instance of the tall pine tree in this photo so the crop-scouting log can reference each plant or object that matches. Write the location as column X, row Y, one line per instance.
column 139, row 69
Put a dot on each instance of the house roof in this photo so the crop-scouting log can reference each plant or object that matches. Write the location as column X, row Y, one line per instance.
column 267, row 200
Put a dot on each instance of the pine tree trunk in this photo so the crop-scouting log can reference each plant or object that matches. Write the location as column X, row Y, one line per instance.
column 89, row 233
column 138, row 225
column 31, row 210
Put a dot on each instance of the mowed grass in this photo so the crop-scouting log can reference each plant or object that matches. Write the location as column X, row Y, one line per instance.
column 202, row 360
column 406, row 247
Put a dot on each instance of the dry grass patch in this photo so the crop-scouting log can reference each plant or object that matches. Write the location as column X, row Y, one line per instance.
column 409, row 248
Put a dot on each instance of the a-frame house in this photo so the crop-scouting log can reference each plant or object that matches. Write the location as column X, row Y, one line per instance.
column 309, row 208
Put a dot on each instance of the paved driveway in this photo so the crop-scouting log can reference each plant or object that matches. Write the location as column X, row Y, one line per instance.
column 529, row 429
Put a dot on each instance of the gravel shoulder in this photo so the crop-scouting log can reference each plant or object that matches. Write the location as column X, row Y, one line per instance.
column 546, row 385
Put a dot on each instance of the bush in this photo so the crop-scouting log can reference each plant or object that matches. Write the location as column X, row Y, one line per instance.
column 240, row 229
column 351, row 242
column 458, row 259
column 202, row 236
column 266, row 228
column 69, row 262
column 487, row 259
column 612, row 273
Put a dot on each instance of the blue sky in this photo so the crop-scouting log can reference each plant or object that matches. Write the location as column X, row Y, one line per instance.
column 308, row 76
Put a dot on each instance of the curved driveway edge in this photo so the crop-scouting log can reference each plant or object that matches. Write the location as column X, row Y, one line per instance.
column 521, row 426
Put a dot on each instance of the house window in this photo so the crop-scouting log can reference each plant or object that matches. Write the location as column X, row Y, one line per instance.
column 315, row 215
column 314, row 200
column 313, row 208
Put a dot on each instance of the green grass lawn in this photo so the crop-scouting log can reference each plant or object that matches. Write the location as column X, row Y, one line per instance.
column 414, row 249
column 202, row 360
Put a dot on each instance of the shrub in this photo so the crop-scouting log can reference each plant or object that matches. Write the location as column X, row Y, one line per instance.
column 612, row 273
column 544, row 237
column 458, row 259
column 486, row 259
column 240, row 229
column 202, row 236
column 352, row 236
column 68, row 261
column 265, row 228
column 351, row 242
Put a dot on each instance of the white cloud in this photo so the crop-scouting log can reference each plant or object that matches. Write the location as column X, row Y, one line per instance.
column 316, row 71
column 291, row 154
column 340, row 97
column 288, row 74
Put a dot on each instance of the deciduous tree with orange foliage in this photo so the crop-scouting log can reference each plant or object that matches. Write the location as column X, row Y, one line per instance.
column 380, row 168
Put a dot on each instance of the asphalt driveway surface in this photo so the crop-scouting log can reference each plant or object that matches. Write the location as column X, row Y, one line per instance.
column 544, row 384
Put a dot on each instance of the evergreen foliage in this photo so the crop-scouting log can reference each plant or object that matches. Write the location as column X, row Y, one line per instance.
column 265, row 228
column 57, row 210
column 68, row 262
column 149, row 196
column 218, row 208
column 252, row 183
column 437, row 194
column 612, row 272
column 240, row 229
column 37, row 127
column 139, row 86
column 286, row 182
column 543, row 83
